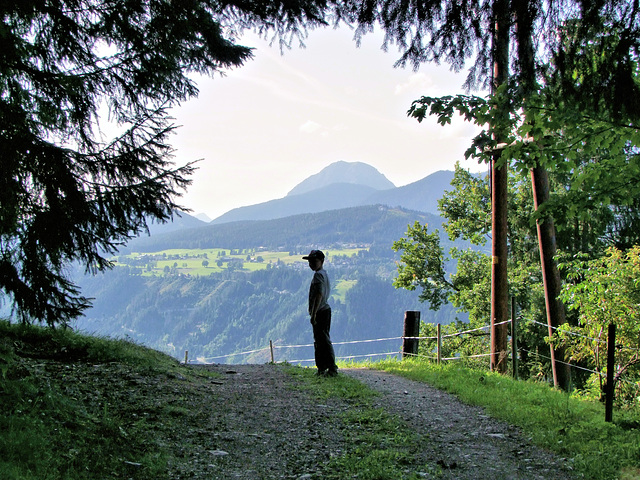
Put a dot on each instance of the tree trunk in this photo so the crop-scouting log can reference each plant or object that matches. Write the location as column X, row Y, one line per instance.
column 550, row 276
column 525, row 15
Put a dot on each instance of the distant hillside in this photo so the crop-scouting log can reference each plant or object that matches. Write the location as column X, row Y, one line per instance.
column 372, row 224
column 180, row 221
column 421, row 196
column 238, row 310
column 330, row 197
column 203, row 217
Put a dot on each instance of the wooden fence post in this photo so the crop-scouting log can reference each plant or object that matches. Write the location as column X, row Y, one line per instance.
column 611, row 365
column 186, row 357
column 271, row 348
column 439, row 348
column 411, row 329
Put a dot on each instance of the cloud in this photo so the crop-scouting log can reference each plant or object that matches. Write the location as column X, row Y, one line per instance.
column 416, row 81
column 310, row 127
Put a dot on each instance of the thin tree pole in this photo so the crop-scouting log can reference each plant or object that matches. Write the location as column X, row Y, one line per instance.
column 550, row 276
column 514, row 339
column 525, row 13
column 499, row 280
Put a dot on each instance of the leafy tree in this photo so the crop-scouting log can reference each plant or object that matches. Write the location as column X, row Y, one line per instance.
column 70, row 191
column 509, row 117
column 606, row 291
column 462, row 276
column 423, row 265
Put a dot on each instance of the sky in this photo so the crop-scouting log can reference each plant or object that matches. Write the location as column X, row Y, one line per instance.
column 265, row 127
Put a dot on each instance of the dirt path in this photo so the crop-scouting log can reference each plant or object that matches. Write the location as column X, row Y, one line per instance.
column 461, row 439
column 257, row 426
column 254, row 422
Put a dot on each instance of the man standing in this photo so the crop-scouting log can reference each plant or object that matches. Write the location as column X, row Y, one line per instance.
column 320, row 313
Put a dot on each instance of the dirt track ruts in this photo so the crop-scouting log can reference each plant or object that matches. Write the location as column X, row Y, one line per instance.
column 258, row 427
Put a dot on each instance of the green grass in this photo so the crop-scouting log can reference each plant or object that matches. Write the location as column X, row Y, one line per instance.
column 47, row 433
column 570, row 427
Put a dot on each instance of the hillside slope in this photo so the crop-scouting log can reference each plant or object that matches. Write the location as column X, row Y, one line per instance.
column 372, row 224
column 421, row 196
column 84, row 408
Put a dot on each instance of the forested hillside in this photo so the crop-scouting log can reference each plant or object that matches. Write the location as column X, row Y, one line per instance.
column 376, row 225
column 239, row 310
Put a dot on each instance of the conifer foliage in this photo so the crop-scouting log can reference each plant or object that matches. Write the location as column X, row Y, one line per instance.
column 70, row 191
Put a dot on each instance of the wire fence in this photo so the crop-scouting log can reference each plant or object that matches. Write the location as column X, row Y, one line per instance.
column 283, row 353
column 273, row 348
column 272, row 352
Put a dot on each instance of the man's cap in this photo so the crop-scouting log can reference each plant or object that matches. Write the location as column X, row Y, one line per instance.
column 314, row 254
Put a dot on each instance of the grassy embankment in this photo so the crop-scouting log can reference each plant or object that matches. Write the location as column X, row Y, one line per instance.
column 48, row 433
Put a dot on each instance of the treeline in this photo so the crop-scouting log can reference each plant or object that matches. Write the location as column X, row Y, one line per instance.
column 371, row 225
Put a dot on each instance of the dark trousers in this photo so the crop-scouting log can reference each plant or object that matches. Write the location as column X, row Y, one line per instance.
column 325, row 358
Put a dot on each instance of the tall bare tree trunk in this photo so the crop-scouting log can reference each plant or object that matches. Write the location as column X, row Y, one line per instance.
column 550, row 275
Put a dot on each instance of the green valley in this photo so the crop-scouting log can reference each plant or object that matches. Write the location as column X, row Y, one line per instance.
column 204, row 262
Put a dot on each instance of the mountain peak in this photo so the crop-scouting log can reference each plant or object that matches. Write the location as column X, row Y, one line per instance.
column 358, row 173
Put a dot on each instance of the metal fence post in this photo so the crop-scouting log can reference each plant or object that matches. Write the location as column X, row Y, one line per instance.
column 271, row 348
column 611, row 365
column 439, row 347
column 514, row 339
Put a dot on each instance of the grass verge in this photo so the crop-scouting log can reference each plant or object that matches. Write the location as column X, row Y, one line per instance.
column 570, row 427
column 49, row 430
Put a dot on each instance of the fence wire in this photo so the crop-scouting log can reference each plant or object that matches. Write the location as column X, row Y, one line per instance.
column 275, row 346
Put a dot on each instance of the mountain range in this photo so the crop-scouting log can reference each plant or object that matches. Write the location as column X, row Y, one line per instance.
column 338, row 186
column 347, row 184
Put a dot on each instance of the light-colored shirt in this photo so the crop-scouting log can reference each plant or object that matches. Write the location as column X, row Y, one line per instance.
column 320, row 284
